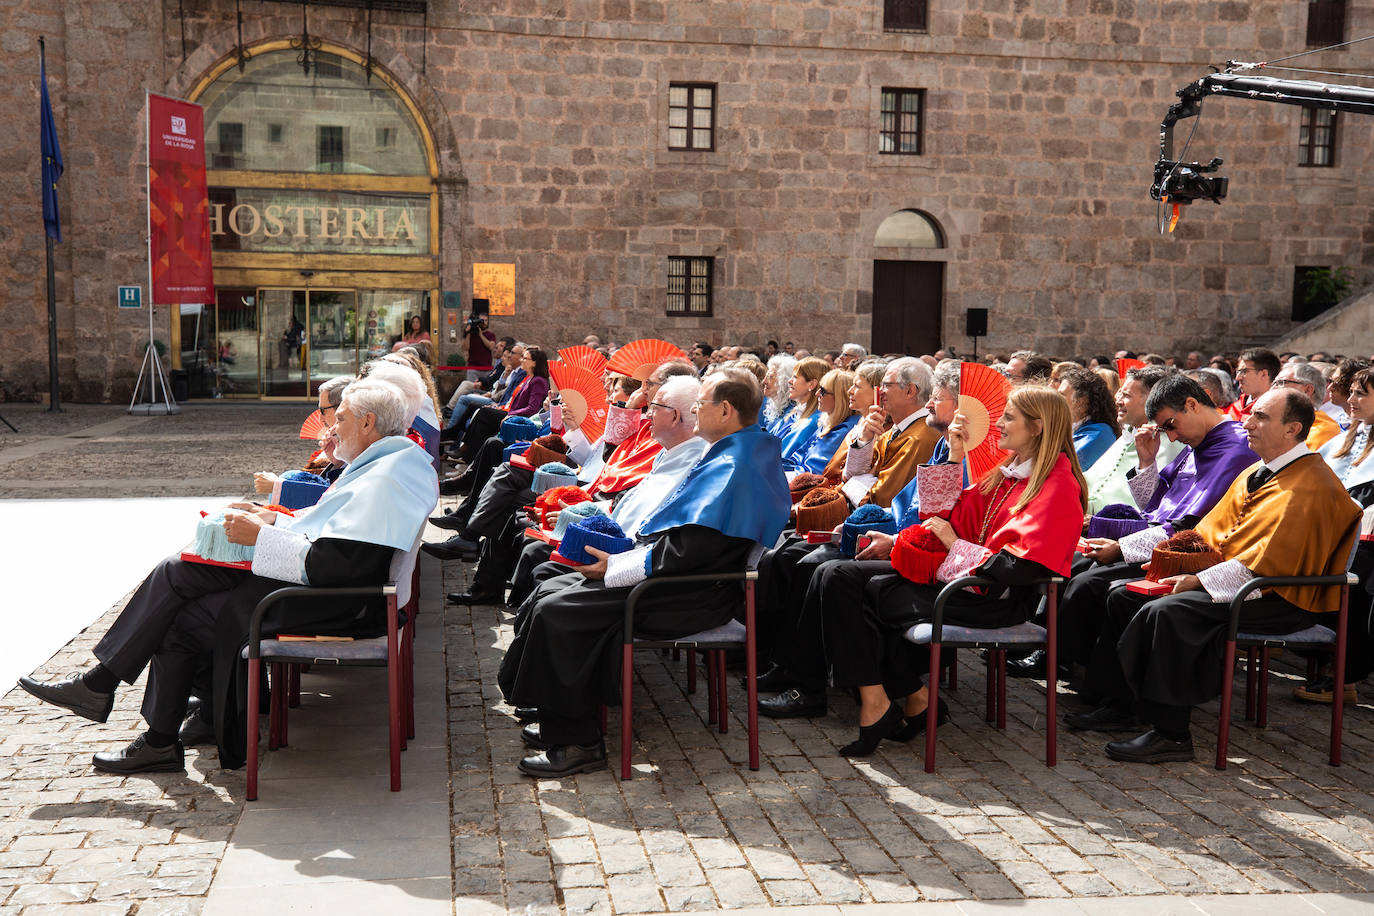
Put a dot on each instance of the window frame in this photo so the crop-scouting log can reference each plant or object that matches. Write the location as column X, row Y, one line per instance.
column 691, row 108
column 320, row 160
column 900, row 93
column 918, row 19
column 1308, row 128
column 1327, row 28
column 687, row 275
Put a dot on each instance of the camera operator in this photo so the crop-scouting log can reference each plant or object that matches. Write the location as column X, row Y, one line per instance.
column 480, row 344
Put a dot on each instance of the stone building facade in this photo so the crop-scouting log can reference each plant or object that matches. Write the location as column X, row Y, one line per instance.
column 547, row 126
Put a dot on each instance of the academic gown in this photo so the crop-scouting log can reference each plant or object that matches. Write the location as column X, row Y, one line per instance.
column 1107, row 482
column 813, row 456
column 1293, row 524
column 1194, row 481
column 1091, row 441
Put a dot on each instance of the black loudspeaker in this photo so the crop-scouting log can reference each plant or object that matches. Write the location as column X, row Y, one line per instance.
column 481, row 307
column 976, row 322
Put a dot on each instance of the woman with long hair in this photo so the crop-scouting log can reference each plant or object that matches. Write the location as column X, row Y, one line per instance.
column 837, row 418
column 804, row 390
column 1017, row 525
column 525, row 401
column 1094, row 414
column 777, row 400
column 414, row 333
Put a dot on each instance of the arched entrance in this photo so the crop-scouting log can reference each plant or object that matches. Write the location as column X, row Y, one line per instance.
column 324, row 221
column 908, row 294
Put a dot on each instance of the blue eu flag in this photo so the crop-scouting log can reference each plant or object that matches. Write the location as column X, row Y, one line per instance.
column 52, row 163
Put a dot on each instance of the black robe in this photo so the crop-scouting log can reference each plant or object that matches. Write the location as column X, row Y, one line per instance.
column 565, row 658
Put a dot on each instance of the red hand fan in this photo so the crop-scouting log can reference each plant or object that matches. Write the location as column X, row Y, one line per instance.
column 982, row 398
column 584, row 399
column 584, row 356
column 639, row 358
column 1126, row 365
column 313, row 427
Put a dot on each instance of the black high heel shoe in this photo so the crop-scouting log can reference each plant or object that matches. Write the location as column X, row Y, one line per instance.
column 916, row 725
column 870, row 736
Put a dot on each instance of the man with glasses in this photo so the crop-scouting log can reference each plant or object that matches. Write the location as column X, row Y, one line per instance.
column 1255, row 375
column 565, row 658
column 1029, row 366
column 851, row 354
column 1216, row 452
column 1308, row 379
column 331, row 394
column 882, row 459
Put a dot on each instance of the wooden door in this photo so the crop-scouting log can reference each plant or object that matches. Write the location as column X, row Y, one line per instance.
column 908, row 304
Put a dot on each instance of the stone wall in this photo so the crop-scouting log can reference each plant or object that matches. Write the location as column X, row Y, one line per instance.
column 1041, row 135
column 1346, row 328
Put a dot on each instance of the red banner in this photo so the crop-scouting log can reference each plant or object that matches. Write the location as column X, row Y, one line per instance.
column 178, row 204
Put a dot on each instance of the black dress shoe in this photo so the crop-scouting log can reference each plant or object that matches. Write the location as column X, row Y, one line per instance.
column 526, row 714
column 455, row 486
column 1103, row 719
column 476, row 597
column 1032, row 665
column 455, row 548
column 141, row 757
column 196, row 731
column 449, row 522
column 1151, row 747
column 870, row 736
column 530, row 735
column 916, row 725
column 72, row 693
column 565, row 760
column 793, row 704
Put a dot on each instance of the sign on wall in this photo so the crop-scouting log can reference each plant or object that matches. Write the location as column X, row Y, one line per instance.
column 178, row 204
column 496, row 284
column 131, row 297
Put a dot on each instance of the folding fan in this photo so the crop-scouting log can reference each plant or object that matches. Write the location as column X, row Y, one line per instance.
column 313, row 427
column 982, row 398
column 1126, row 365
column 639, row 358
column 584, row 399
column 584, row 356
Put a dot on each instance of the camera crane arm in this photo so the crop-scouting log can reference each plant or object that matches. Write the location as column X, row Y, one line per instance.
column 1181, row 183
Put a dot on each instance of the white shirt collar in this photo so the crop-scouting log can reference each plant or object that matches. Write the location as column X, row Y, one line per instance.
column 901, row 427
column 1287, row 458
column 1021, row 470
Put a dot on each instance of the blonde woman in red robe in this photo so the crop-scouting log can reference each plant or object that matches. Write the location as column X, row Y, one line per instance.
column 1018, row 524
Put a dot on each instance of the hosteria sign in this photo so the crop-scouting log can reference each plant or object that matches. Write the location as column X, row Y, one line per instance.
column 253, row 220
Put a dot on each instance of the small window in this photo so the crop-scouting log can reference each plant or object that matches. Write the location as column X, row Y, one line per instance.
column 904, row 15
column 1325, row 22
column 689, row 286
column 692, row 116
column 330, row 148
column 899, row 130
column 1317, row 137
column 386, row 137
column 230, row 148
column 275, row 132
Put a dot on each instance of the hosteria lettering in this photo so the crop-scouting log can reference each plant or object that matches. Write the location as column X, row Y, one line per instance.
column 313, row 222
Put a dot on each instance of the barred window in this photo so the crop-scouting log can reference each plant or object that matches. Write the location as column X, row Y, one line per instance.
column 689, row 286
column 899, row 130
column 904, row 15
column 692, row 116
column 329, row 149
column 1317, row 137
column 1325, row 22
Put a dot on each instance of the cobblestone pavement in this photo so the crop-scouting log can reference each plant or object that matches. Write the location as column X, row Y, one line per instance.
column 695, row 828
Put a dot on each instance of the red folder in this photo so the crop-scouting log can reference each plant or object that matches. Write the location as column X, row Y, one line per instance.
column 188, row 557
column 1147, row 587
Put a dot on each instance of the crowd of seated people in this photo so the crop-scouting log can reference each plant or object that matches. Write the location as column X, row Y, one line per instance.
column 868, row 451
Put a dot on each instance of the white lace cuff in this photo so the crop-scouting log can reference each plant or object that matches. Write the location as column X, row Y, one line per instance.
column 1137, row 547
column 1143, row 484
column 964, row 557
column 1226, row 579
column 626, row 569
column 855, row 489
column 280, row 554
column 859, row 460
column 938, row 487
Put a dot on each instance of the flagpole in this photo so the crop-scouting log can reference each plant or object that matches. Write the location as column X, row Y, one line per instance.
column 54, row 392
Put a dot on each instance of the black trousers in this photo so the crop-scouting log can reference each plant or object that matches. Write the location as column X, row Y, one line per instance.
column 789, row 611
column 484, row 464
column 1164, row 655
column 1083, row 605
column 485, row 423
column 867, row 608
column 169, row 622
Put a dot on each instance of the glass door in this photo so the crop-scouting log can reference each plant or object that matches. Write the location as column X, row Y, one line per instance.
column 283, row 315
column 236, row 342
column 333, row 341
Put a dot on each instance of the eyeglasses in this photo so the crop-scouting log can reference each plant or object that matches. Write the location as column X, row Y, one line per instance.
column 1167, row 425
column 824, row 393
column 326, row 411
column 654, row 405
column 1289, row 381
column 699, row 403
column 1244, row 371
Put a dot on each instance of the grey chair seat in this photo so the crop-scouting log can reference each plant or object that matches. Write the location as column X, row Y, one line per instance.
column 1315, row 635
column 1022, row 634
column 311, row 652
column 724, row 636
